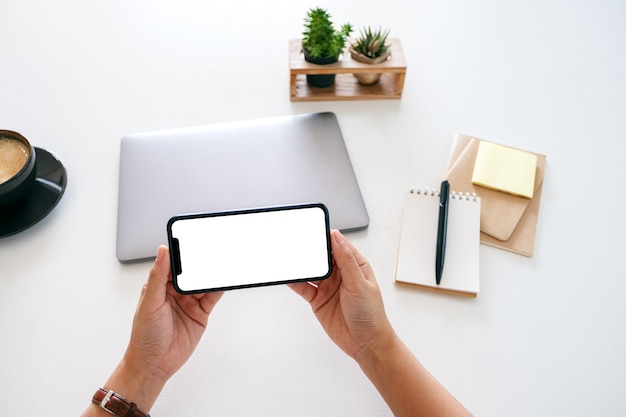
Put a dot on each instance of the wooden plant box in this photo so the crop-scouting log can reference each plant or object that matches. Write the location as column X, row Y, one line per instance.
column 347, row 87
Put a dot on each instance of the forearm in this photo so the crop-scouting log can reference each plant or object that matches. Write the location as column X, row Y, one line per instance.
column 405, row 385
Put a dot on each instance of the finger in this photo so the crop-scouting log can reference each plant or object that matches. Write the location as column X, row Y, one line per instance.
column 358, row 257
column 364, row 265
column 306, row 290
column 209, row 300
column 155, row 288
column 348, row 259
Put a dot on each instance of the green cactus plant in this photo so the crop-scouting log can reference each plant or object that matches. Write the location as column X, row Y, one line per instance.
column 320, row 39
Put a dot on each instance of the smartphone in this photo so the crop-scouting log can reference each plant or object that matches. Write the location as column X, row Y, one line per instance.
column 249, row 248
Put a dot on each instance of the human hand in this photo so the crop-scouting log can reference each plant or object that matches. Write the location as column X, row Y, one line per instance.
column 166, row 329
column 350, row 308
column 349, row 304
column 167, row 325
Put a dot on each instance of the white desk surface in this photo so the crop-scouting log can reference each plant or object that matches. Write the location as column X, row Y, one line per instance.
column 545, row 337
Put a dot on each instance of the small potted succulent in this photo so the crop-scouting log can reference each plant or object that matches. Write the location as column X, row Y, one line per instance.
column 370, row 47
column 322, row 44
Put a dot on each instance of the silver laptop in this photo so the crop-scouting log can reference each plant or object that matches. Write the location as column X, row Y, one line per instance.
column 257, row 163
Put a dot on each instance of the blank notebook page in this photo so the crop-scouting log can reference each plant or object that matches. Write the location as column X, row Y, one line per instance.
column 418, row 241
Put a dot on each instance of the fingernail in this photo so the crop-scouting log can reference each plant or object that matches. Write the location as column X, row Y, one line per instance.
column 159, row 256
column 338, row 237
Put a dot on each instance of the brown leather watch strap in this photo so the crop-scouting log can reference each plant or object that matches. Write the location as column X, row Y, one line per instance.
column 115, row 404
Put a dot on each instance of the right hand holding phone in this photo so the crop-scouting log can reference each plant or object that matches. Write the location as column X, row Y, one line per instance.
column 349, row 303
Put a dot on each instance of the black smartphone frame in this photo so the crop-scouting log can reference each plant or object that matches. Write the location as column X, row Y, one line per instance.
column 178, row 259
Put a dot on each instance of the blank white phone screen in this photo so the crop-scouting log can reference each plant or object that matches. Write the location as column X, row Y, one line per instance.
column 254, row 248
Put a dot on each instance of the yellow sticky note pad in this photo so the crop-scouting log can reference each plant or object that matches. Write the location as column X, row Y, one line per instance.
column 505, row 169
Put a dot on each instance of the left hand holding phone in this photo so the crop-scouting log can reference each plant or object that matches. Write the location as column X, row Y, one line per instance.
column 166, row 330
column 167, row 325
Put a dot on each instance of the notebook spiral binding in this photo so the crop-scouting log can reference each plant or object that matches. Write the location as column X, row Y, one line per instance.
column 433, row 192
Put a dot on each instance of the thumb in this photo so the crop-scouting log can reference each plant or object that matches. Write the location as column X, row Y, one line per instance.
column 155, row 288
column 347, row 259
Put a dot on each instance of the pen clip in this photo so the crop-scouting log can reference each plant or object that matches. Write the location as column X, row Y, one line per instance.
column 444, row 193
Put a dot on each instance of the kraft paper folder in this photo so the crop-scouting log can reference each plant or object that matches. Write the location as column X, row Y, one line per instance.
column 507, row 221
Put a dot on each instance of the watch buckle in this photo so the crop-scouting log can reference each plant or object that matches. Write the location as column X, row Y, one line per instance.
column 105, row 401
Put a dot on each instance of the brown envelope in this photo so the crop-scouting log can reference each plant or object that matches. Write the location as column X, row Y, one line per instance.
column 506, row 221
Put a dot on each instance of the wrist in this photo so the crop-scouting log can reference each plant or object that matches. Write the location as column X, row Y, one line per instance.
column 113, row 403
column 377, row 351
column 136, row 383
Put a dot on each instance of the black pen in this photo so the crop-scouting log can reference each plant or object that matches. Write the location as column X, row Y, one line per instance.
column 442, row 229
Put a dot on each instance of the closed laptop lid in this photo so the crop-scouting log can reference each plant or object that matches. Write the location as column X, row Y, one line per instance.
column 256, row 163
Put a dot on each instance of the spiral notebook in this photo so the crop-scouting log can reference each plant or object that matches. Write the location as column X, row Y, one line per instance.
column 418, row 240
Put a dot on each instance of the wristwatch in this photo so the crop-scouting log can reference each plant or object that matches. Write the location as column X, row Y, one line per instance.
column 116, row 404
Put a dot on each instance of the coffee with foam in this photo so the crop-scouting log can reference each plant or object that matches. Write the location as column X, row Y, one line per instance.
column 13, row 156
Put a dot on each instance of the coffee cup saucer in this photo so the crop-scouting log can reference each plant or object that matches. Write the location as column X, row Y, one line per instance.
column 44, row 195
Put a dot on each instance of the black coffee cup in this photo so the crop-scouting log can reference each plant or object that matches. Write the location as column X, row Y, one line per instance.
column 18, row 167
